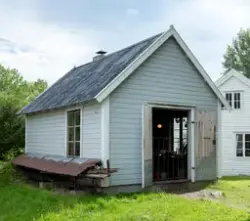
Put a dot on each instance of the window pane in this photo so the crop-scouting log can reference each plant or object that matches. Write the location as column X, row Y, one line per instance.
column 77, row 117
column 77, row 151
column 247, row 149
column 237, row 100
column 247, row 137
column 236, row 104
column 229, row 98
column 70, row 133
column 237, row 96
column 71, row 149
column 239, row 145
column 77, row 133
column 239, row 137
column 70, row 118
column 239, row 149
column 74, row 118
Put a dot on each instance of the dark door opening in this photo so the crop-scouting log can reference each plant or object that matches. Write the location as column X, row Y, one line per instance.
column 170, row 144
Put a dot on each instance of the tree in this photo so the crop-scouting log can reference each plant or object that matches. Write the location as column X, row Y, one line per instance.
column 11, row 132
column 15, row 92
column 237, row 55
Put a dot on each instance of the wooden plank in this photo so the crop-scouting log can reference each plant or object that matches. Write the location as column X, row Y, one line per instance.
column 206, row 134
column 97, row 176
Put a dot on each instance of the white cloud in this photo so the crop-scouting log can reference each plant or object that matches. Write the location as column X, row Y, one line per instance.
column 51, row 50
column 47, row 51
column 132, row 11
column 208, row 26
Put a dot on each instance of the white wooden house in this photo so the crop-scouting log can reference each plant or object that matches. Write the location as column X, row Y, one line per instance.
column 235, row 124
column 123, row 106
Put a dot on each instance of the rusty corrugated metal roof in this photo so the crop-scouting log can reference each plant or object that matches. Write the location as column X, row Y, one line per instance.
column 56, row 164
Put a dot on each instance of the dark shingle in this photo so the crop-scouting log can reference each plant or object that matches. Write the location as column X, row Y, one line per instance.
column 83, row 83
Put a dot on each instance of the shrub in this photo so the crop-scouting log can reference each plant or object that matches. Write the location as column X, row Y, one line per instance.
column 9, row 174
column 11, row 132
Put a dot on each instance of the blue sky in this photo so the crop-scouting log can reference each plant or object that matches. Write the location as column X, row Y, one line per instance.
column 46, row 38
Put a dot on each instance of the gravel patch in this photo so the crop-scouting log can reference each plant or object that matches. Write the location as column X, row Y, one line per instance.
column 205, row 194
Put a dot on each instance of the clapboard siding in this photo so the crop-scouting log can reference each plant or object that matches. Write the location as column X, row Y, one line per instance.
column 231, row 122
column 91, row 130
column 46, row 133
column 166, row 77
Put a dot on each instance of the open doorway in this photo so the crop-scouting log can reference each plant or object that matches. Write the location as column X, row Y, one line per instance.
column 170, row 144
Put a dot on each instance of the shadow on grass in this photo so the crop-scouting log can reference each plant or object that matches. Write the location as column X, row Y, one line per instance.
column 186, row 187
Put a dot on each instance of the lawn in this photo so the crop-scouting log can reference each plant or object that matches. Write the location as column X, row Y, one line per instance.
column 22, row 202
column 236, row 191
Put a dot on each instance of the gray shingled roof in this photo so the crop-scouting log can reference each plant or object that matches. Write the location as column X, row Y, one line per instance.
column 83, row 83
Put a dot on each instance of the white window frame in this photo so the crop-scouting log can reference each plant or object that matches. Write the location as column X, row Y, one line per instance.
column 243, row 144
column 233, row 100
column 80, row 108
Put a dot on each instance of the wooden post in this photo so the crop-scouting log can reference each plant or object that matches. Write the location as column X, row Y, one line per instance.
column 108, row 167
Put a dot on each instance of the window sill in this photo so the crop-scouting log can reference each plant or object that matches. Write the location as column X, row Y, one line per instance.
column 248, row 157
column 232, row 109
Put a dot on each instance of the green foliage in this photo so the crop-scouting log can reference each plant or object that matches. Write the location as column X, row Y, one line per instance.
column 237, row 55
column 9, row 175
column 12, row 134
column 15, row 92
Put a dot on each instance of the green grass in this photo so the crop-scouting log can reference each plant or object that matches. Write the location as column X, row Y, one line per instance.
column 236, row 191
column 22, row 202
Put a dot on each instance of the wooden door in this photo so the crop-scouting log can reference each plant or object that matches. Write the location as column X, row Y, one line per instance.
column 147, row 151
column 206, row 145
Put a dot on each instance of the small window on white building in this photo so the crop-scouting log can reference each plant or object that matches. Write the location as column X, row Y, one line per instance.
column 237, row 100
column 74, row 128
column 243, row 145
column 234, row 99
column 229, row 98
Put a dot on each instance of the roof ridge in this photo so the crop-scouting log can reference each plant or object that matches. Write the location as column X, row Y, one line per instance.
column 134, row 44
column 66, row 91
column 122, row 49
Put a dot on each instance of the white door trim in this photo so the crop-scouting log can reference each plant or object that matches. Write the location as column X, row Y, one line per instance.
column 191, row 134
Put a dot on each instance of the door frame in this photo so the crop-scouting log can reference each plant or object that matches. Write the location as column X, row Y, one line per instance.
column 191, row 136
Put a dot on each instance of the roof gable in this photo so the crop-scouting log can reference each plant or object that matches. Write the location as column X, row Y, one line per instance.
column 97, row 79
column 232, row 73
column 147, row 53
